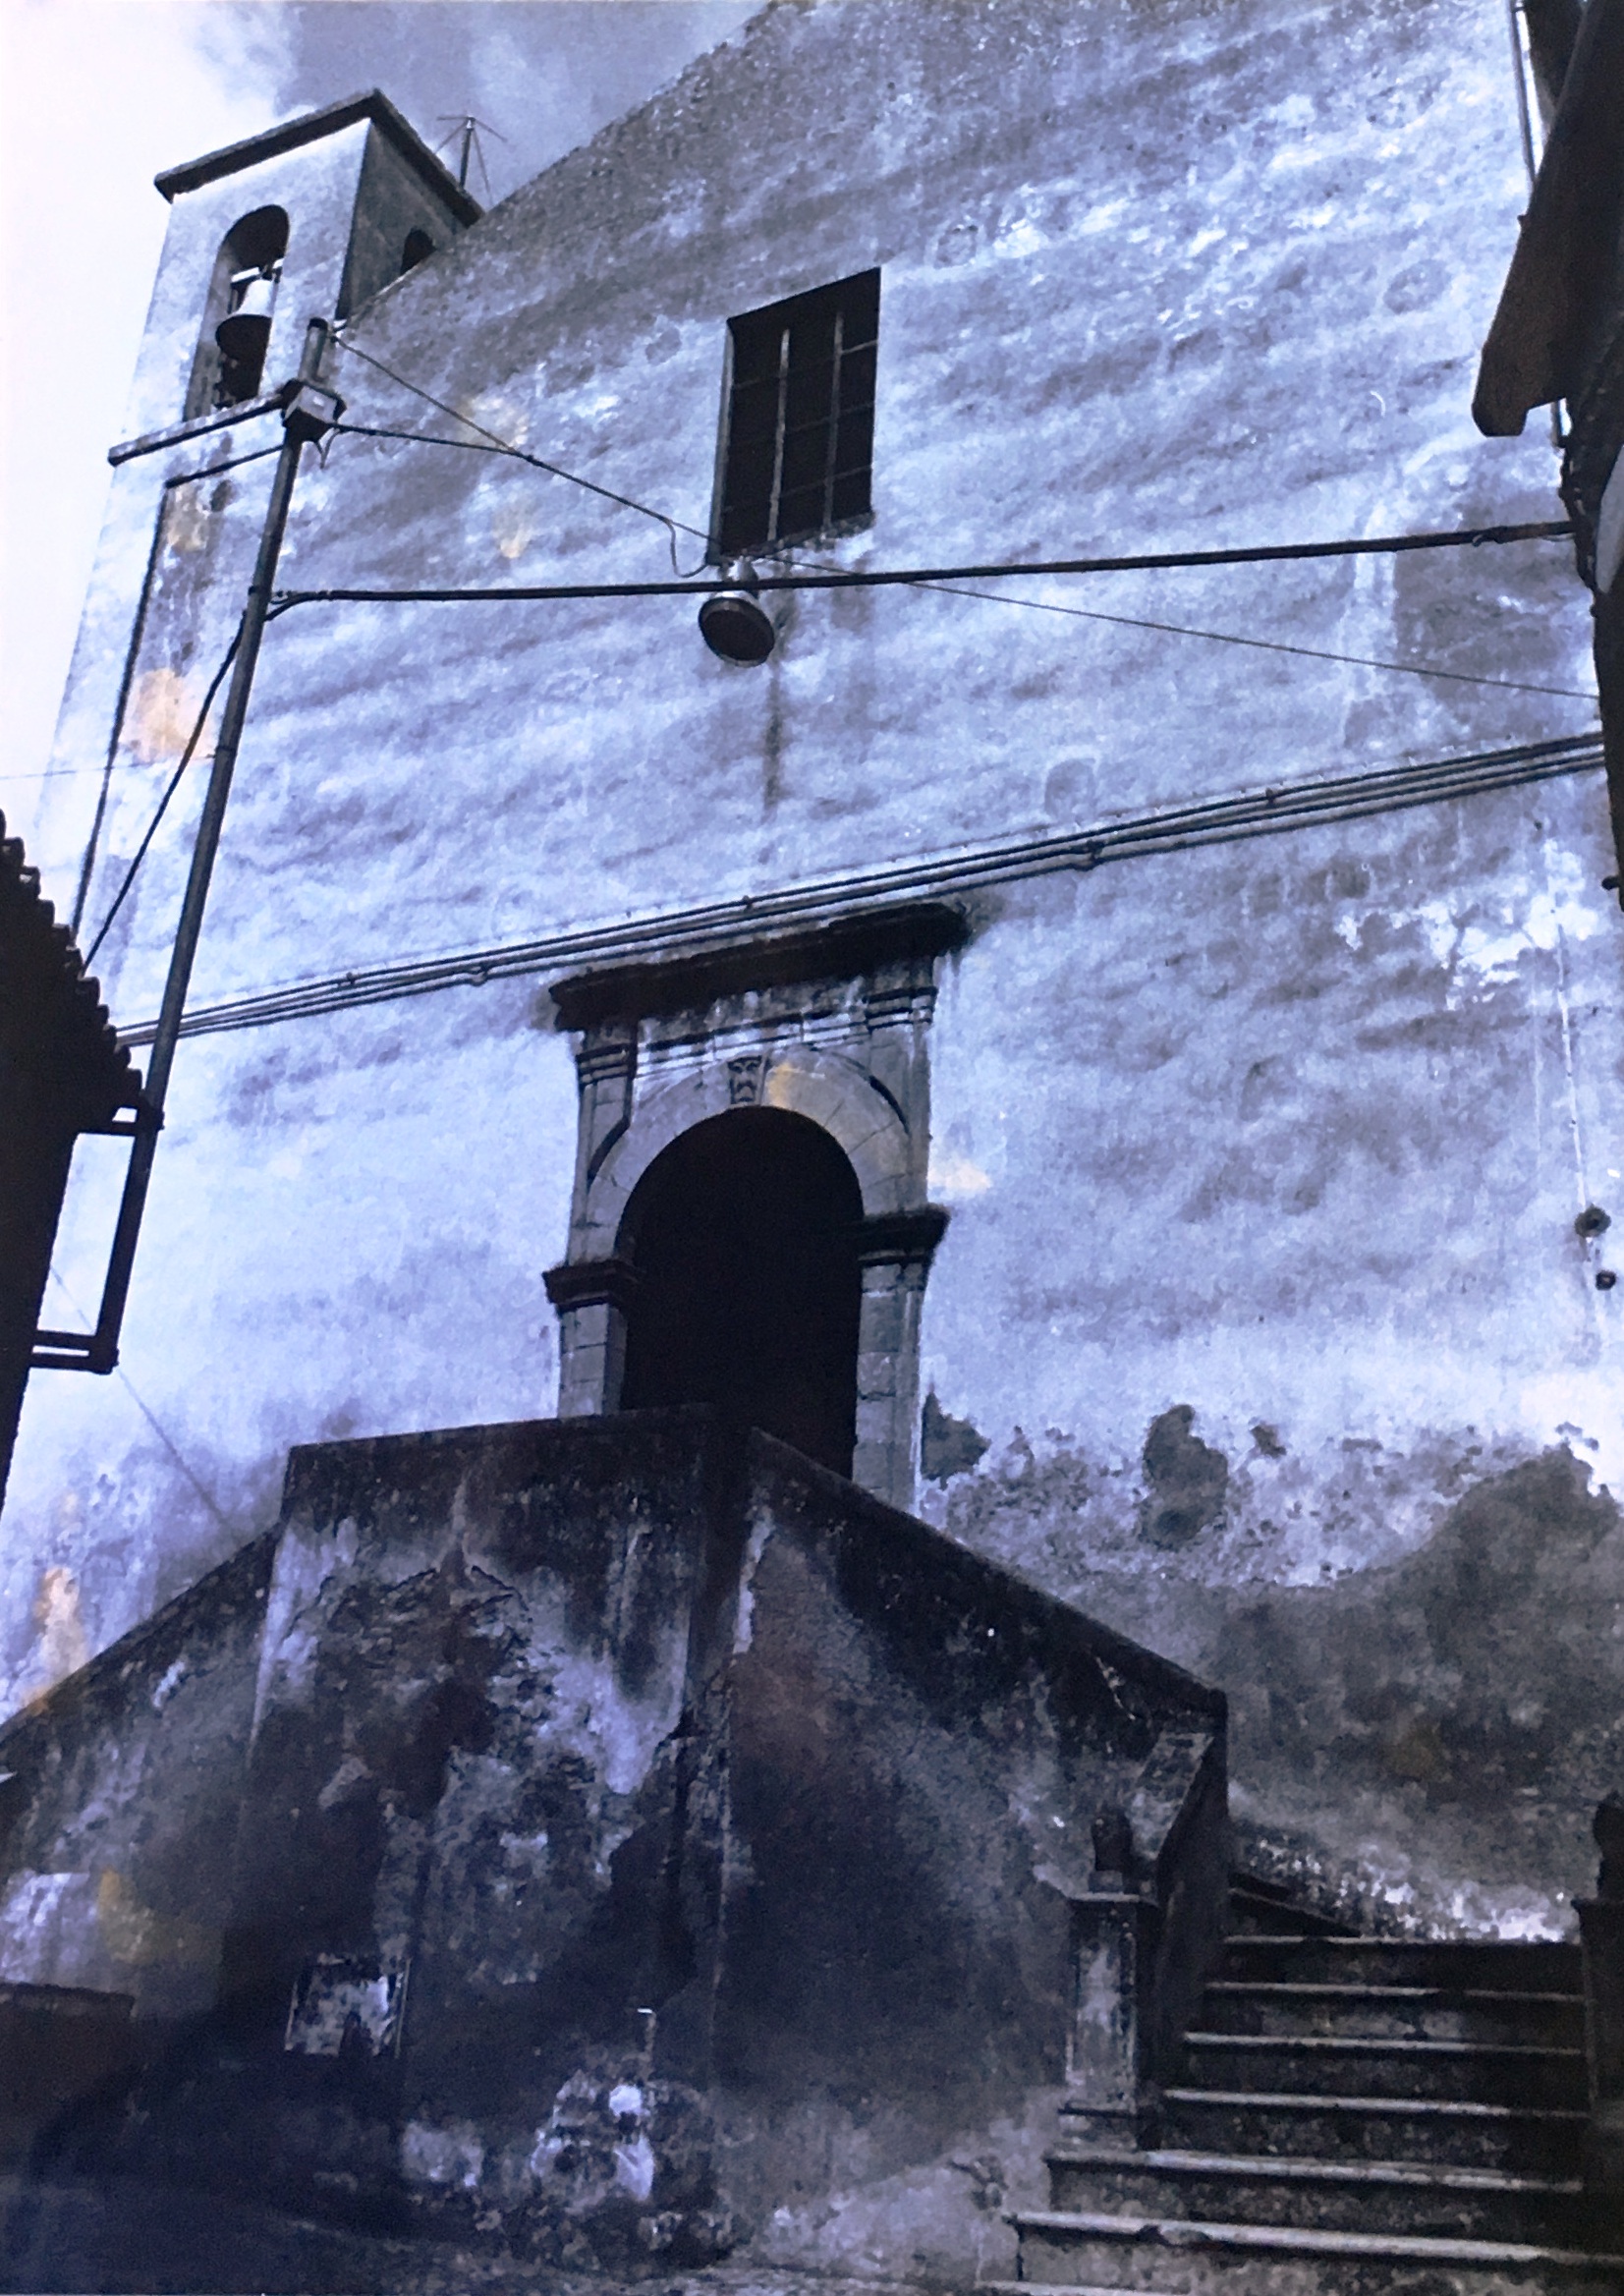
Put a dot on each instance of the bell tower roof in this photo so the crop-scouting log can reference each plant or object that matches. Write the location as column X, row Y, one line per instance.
column 309, row 128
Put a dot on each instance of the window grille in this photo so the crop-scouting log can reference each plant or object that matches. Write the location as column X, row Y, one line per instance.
column 800, row 415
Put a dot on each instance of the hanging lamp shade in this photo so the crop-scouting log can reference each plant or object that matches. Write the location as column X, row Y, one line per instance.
column 732, row 623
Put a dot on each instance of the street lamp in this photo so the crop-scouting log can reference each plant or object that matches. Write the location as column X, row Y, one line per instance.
column 731, row 622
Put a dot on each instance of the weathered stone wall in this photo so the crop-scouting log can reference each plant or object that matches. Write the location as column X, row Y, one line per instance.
column 645, row 1842
column 1315, row 1394
column 120, row 1804
column 1287, row 1135
column 918, row 1746
column 475, row 1660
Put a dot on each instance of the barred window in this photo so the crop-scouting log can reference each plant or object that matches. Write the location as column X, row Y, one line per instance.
column 800, row 415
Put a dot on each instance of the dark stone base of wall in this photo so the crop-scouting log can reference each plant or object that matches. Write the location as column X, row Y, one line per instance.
column 61, row 2238
column 603, row 1845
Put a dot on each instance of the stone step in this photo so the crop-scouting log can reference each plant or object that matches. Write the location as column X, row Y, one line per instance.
column 1069, row 2249
column 1521, row 2141
column 1397, row 2012
column 1259, row 1908
column 1330, row 2196
column 1313, row 2065
column 1458, row 1965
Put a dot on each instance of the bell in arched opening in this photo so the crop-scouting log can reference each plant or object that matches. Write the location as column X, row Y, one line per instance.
column 233, row 336
column 244, row 331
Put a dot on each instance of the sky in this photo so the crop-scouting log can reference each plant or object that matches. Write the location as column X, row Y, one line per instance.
column 98, row 95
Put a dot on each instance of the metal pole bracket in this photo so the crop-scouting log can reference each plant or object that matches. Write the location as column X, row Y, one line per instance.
column 309, row 410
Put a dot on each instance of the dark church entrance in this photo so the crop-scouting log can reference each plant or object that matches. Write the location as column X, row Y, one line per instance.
column 743, row 1237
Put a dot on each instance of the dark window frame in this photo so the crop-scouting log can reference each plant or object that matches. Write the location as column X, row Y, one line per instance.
column 795, row 457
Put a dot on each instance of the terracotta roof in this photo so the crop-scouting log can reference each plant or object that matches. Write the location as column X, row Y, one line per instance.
column 309, row 128
column 54, row 1028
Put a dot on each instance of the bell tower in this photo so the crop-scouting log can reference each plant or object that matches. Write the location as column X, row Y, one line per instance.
column 310, row 219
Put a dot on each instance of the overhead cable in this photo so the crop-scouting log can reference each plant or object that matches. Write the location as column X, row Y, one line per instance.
column 193, row 739
column 1368, row 662
column 905, row 577
column 673, row 526
column 943, row 580
column 956, row 873
column 88, row 861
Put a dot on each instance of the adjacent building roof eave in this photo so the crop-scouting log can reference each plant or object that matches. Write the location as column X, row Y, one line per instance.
column 1564, row 260
column 309, row 128
column 53, row 1024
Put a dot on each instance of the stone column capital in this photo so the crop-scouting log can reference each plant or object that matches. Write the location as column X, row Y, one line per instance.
column 592, row 1283
column 607, row 1049
column 902, row 1239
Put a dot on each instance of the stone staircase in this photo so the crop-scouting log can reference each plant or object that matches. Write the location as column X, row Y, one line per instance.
column 1357, row 2116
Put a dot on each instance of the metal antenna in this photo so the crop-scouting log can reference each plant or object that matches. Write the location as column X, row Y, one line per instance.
column 465, row 125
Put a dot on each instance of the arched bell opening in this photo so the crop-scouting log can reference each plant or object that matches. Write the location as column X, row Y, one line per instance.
column 230, row 364
column 742, row 1239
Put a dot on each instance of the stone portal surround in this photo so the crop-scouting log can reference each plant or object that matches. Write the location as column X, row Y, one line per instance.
column 832, row 1025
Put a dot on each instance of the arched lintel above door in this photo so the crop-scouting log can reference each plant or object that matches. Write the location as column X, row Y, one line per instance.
column 830, row 1023
column 833, row 1091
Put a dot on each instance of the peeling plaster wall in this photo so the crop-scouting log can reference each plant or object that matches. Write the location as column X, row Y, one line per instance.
column 1288, row 1135
column 308, row 1291
column 462, row 1785
column 1318, row 1395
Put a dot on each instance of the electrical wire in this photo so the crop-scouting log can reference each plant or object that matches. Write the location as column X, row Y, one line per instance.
column 88, row 861
column 943, row 875
column 490, row 443
column 1229, row 638
column 920, row 577
column 1320, row 653
column 115, row 733
column 943, row 580
column 153, row 1422
column 193, row 739
column 473, row 446
column 673, row 526
column 54, row 773
column 479, row 446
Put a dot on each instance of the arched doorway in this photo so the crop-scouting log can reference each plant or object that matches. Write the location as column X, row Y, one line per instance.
column 744, row 1237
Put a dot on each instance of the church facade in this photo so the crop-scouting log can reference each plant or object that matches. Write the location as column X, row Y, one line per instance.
column 1124, row 1066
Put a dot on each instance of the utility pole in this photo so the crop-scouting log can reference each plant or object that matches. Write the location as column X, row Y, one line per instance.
column 308, row 411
